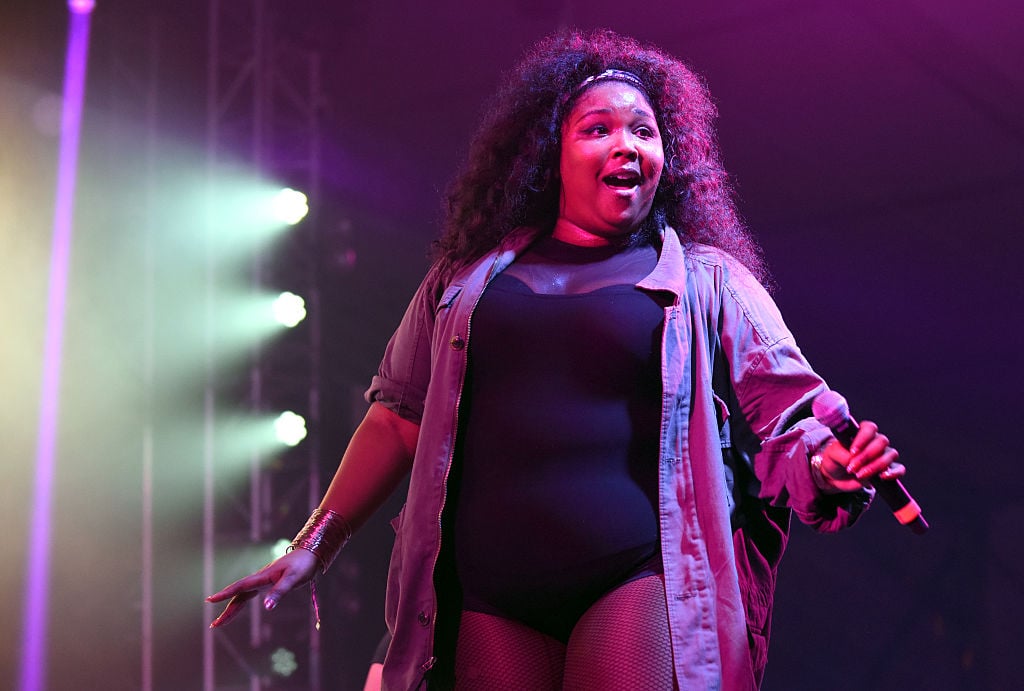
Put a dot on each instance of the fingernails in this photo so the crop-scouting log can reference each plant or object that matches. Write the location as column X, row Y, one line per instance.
column 269, row 604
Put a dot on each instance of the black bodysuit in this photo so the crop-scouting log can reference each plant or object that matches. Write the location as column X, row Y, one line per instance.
column 556, row 484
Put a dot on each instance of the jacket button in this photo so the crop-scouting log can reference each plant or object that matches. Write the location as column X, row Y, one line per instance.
column 423, row 618
column 457, row 343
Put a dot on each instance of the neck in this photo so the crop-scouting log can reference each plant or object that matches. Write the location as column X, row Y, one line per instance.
column 568, row 232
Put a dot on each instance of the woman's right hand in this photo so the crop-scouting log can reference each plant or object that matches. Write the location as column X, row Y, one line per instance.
column 281, row 576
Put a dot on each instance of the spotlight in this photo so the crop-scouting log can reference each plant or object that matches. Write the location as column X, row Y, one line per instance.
column 81, row 6
column 280, row 548
column 289, row 309
column 290, row 428
column 290, row 206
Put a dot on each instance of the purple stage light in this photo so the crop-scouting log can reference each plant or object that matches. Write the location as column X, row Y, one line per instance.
column 81, row 6
column 37, row 572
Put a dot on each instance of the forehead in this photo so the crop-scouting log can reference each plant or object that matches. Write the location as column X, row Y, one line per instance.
column 610, row 94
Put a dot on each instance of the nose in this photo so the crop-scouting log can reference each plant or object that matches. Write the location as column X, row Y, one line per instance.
column 625, row 146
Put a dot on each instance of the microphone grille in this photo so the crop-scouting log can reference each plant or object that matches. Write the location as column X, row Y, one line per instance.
column 830, row 408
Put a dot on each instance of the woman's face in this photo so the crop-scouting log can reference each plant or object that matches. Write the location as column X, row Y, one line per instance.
column 610, row 164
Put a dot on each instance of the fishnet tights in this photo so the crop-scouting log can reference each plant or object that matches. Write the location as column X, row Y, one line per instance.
column 620, row 644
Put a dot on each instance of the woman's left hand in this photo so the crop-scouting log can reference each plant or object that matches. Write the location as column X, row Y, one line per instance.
column 869, row 456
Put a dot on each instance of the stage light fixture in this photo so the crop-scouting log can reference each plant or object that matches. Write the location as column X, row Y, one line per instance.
column 289, row 309
column 290, row 206
column 290, row 428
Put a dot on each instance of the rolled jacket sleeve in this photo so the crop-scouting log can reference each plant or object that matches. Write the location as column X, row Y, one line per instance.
column 774, row 386
column 404, row 372
column 782, row 465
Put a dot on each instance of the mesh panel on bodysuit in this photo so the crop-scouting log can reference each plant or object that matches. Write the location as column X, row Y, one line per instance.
column 622, row 642
column 497, row 654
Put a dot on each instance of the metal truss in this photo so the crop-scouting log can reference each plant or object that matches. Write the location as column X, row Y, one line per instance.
column 263, row 111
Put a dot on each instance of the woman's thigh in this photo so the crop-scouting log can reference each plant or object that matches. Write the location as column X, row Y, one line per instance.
column 497, row 654
column 622, row 641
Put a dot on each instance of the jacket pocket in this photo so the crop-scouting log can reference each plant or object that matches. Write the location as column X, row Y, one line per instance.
column 758, row 547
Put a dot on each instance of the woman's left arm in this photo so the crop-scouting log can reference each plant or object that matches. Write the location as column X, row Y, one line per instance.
column 797, row 460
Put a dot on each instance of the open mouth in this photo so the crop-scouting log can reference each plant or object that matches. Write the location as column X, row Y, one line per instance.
column 623, row 181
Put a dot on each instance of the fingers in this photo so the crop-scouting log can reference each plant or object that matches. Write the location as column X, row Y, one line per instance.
column 281, row 576
column 869, row 469
column 253, row 582
column 240, row 592
column 872, row 456
column 866, row 433
column 284, row 585
column 896, row 470
column 235, row 605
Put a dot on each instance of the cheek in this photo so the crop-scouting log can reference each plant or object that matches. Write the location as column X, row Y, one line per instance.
column 656, row 164
column 575, row 170
column 574, row 157
column 569, row 164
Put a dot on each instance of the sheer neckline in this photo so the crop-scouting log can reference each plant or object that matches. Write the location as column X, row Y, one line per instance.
column 554, row 267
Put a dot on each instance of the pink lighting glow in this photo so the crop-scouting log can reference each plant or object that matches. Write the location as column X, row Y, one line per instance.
column 37, row 575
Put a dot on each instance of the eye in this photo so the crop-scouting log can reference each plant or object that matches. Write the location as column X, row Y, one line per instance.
column 596, row 129
column 645, row 132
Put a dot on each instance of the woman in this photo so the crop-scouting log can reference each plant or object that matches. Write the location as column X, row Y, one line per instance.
column 602, row 475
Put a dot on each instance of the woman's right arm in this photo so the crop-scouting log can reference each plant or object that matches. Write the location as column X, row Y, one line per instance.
column 378, row 456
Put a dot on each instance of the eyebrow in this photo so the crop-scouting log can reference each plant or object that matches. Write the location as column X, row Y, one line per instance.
column 601, row 111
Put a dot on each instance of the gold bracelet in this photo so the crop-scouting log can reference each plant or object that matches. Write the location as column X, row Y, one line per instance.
column 324, row 534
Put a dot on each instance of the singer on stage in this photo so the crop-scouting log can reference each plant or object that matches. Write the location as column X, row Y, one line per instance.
column 607, row 423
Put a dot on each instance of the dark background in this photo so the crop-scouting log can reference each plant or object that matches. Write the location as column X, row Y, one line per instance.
column 878, row 152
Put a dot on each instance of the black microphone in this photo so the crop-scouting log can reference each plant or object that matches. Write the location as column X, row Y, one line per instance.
column 831, row 410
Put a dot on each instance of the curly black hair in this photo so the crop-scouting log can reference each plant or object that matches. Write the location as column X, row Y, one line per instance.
column 511, row 178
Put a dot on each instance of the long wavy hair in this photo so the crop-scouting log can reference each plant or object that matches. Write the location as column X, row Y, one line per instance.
column 511, row 178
